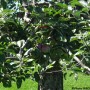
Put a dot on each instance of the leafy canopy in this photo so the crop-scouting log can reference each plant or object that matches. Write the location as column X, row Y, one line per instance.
column 55, row 35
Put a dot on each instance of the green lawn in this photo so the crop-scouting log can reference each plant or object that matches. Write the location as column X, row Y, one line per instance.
column 26, row 85
column 83, row 81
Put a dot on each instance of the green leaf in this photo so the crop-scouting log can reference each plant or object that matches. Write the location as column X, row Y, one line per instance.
column 10, row 1
column 85, row 9
column 74, row 38
column 19, row 82
column 38, row 9
column 50, row 65
column 4, row 4
column 30, row 60
column 20, row 43
column 2, row 57
column 80, row 52
column 36, row 76
column 30, row 8
column 62, row 5
column 27, row 75
column 77, row 14
column 75, row 2
column 6, row 83
column 64, row 74
column 86, row 28
column 76, row 69
column 21, row 2
column 72, row 73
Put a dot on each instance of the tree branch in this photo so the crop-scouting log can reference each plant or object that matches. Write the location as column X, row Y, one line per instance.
column 79, row 62
column 12, row 58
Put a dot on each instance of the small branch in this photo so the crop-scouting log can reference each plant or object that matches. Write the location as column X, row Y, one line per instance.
column 21, row 48
column 28, row 51
column 24, row 3
column 33, row 3
column 79, row 62
column 42, row 4
column 54, row 71
column 25, row 43
column 26, row 18
column 13, row 58
column 31, row 21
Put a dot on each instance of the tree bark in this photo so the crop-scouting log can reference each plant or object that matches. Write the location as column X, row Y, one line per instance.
column 52, row 80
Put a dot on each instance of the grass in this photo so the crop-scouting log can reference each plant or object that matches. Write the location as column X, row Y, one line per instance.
column 82, row 82
column 26, row 85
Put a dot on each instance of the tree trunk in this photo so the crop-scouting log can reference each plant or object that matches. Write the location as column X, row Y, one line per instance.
column 52, row 80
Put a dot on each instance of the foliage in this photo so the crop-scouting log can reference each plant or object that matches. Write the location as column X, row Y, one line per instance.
column 54, row 30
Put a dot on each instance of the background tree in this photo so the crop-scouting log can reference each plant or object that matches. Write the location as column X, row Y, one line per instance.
column 41, row 40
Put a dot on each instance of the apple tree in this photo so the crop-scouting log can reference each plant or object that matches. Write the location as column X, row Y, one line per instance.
column 41, row 40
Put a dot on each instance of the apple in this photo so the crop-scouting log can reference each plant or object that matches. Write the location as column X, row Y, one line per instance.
column 44, row 48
